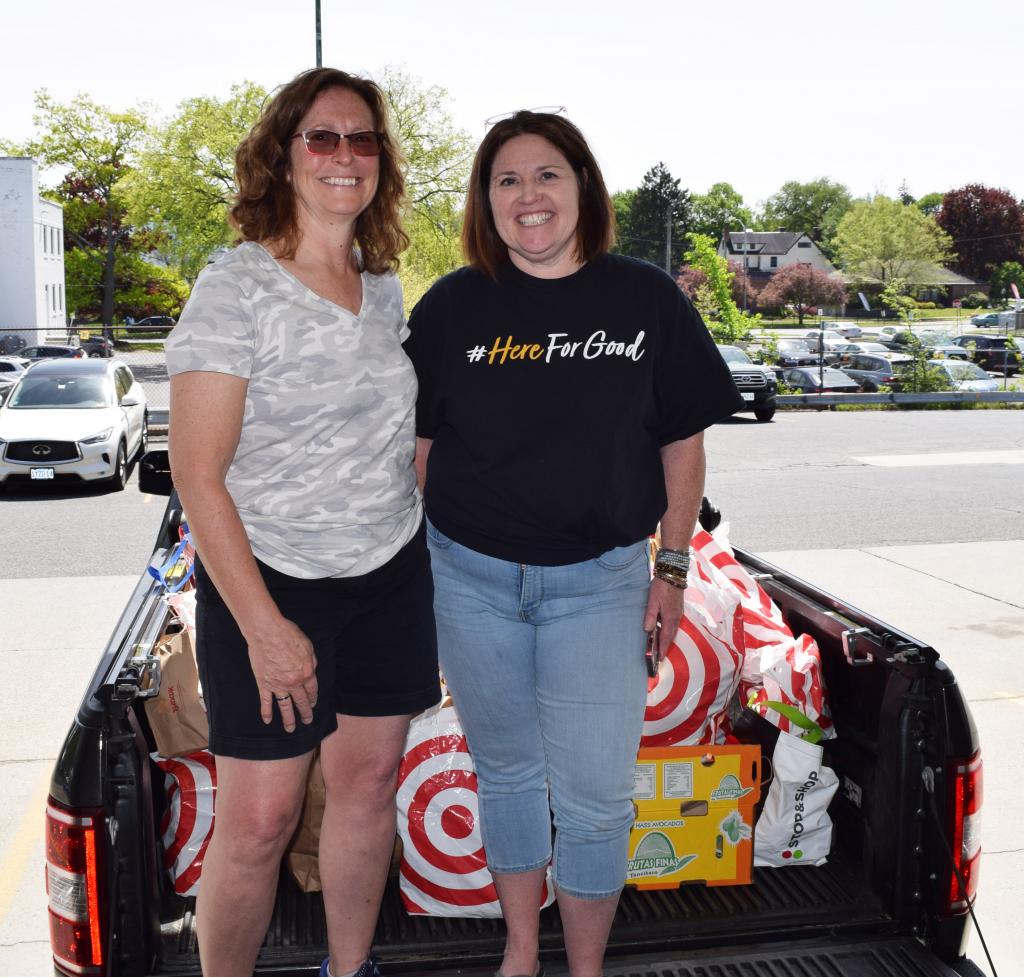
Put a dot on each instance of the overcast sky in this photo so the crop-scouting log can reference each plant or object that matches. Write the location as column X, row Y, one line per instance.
column 754, row 93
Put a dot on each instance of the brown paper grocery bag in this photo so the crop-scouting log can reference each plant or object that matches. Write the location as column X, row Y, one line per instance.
column 303, row 860
column 176, row 715
column 303, row 851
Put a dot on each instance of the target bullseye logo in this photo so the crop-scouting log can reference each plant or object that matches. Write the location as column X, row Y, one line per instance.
column 697, row 677
column 444, row 869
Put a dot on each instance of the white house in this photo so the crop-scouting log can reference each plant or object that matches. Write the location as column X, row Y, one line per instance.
column 768, row 251
column 31, row 254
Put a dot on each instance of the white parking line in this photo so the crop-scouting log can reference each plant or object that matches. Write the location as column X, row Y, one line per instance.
column 943, row 459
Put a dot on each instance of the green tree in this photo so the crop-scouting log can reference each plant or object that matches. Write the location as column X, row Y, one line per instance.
column 896, row 297
column 815, row 208
column 719, row 210
column 659, row 208
column 714, row 300
column 95, row 149
column 622, row 201
column 881, row 239
column 439, row 158
column 1009, row 272
column 930, row 203
column 185, row 182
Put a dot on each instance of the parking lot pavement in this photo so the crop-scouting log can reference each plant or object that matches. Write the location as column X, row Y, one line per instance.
column 965, row 600
column 46, row 661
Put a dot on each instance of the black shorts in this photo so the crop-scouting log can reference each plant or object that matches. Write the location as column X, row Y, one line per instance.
column 375, row 644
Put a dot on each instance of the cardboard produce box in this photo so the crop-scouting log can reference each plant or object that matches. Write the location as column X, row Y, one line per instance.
column 695, row 816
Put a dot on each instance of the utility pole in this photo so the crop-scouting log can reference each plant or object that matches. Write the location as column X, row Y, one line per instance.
column 668, row 240
column 319, row 53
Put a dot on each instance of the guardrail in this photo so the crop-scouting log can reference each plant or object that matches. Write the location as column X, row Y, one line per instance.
column 938, row 397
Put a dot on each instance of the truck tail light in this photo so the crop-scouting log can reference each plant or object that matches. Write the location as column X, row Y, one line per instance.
column 965, row 840
column 74, row 890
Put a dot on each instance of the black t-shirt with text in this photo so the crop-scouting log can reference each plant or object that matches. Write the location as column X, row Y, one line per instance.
column 548, row 401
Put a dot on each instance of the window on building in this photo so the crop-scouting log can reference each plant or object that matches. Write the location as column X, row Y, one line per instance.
column 775, row 261
column 803, row 244
column 46, row 296
column 61, row 298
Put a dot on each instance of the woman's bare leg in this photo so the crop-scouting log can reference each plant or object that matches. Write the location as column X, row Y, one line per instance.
column 520, row 894
column 360, row 762
column 258, row 806
column 586, row 924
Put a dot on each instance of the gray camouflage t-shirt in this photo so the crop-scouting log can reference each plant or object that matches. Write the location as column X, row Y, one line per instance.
column 323, row 476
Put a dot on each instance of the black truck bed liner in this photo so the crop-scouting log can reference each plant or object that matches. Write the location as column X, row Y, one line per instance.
column 673, row 924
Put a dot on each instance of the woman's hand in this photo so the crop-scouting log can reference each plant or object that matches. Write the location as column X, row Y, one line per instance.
column 284, row 665
column 664, row 606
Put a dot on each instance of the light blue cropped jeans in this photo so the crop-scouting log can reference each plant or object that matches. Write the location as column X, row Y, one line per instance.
column 546, row 669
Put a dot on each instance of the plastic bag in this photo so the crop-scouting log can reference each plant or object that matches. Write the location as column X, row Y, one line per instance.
column 794, row 827
column 444, row 869
column 791, row 673
column 700, row 672
column 187, row 825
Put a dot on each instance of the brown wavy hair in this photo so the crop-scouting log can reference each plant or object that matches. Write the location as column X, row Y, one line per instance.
column 264, row 208
column 595, row 230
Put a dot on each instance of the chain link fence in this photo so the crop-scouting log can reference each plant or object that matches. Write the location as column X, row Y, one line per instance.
column 140, row 346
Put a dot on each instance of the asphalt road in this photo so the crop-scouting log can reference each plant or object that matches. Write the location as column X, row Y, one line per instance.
column 917, row 517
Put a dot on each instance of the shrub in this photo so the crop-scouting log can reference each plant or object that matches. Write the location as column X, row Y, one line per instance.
column 976, row 300
column 925, row 305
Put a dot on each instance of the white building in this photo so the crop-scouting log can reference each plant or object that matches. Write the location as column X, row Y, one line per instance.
column 31, row 254
column 768, row 251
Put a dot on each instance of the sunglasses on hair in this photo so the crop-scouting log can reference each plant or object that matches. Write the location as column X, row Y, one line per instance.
column 539, row 110
column 324, row 142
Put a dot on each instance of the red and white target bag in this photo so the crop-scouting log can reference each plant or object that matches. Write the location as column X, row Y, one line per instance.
column 686, row 702
column 791, row 673
column 444, row 869
column 187, row 824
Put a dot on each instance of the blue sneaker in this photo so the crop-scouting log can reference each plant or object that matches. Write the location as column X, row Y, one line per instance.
column 367, row 969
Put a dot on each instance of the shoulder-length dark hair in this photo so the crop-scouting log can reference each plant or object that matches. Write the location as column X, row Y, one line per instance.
column 264, row 207
column 595, row 230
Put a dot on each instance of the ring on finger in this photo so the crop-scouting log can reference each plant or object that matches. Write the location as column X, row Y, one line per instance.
column 282, row 698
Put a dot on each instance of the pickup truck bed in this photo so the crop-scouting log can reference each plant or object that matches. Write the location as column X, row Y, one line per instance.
column 880, row 907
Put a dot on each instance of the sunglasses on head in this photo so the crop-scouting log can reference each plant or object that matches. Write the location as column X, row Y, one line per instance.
column 324, row 142
column 539, row 110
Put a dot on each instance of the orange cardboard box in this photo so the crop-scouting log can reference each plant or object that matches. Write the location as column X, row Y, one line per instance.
column 695, row 816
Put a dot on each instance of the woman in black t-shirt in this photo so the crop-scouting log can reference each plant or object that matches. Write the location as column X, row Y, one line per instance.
column 563, row 397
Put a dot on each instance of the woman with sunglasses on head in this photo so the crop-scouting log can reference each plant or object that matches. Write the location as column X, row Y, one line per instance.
column 292, row 446
column 564, row 392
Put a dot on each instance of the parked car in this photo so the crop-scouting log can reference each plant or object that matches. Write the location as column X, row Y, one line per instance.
column 755, row 383
column 52, row 352
column 998, row 353
column 848, row 329
column 847, row 350
column 10, row 365
column 964, row 375
column 98, row 346
column 11, row 343
column 12, row 368
column 995, row 320
column 153, row 323
column 827, row 338
column 872, row 370
column 84, row 418
column 940, row 345
column 809, row 380
column 795, row 352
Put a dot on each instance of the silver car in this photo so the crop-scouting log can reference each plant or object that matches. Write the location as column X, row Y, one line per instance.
column 83, row 418
column 965, row 375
